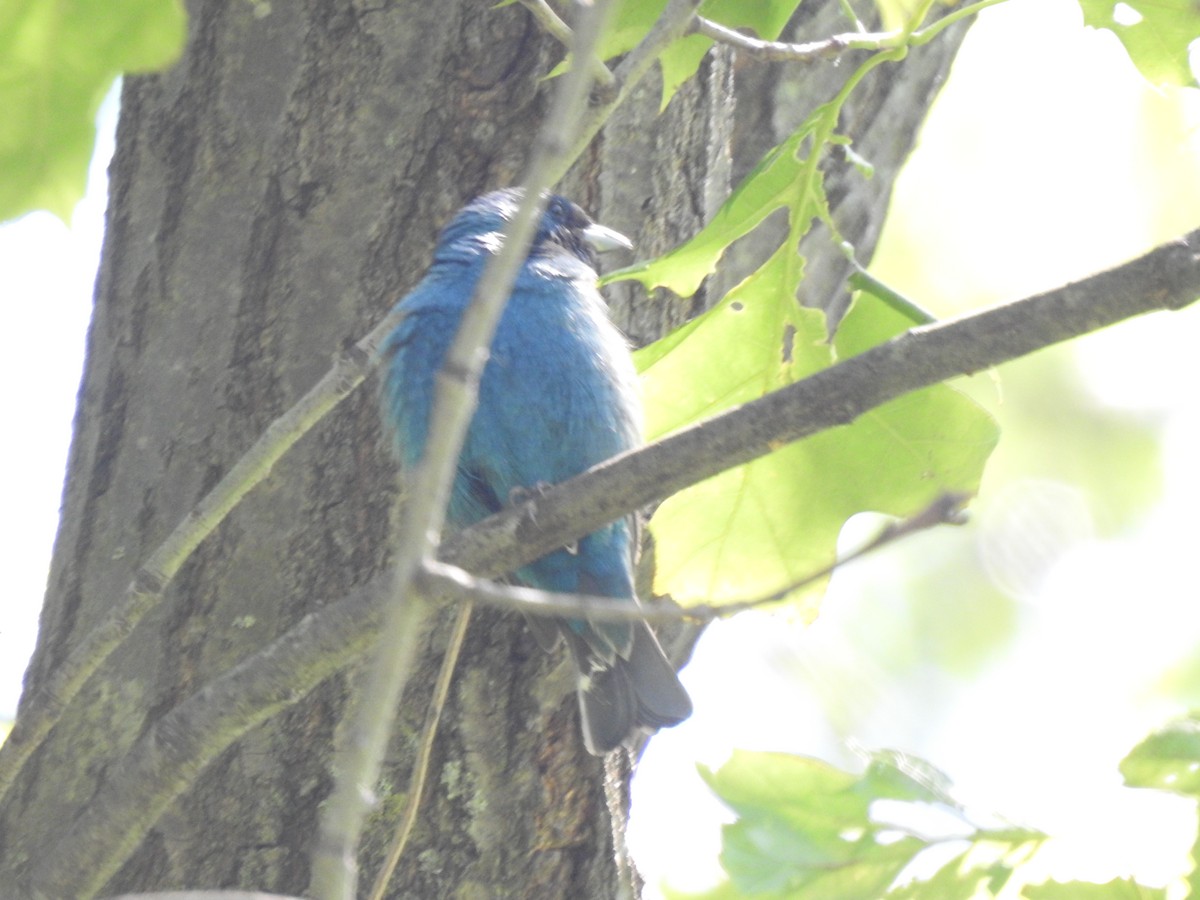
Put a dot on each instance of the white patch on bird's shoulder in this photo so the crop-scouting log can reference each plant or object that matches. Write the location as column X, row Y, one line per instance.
column 492, row 241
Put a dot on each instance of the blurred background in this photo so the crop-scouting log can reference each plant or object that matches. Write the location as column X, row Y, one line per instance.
column 1027, row 653
column 1024, row 654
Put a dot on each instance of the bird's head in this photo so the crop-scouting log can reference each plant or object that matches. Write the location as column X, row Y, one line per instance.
column 479, row 226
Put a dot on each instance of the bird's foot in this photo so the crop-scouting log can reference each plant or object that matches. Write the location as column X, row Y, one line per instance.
column 520, row 495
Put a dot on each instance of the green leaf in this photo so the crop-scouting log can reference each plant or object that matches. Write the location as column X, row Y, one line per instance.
column 57, row 61
column 797, row 789
column 777, row 181
column 1157, row 41
column 786, row 177
column 631, row 21
column 735, row 532
column 763, row 338
column 805, row 829
column 679, row 62
column 894, row 775
column 804, row 825
column 1117, row 889
column 757, row 528
column 1169, row 759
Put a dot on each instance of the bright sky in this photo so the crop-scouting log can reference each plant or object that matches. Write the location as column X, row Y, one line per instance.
column 47, row 271
column 1060, row 121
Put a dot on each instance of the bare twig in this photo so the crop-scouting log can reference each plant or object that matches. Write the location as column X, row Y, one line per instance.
column 561, row 32
column 777, row 51
column 671, row 26
column 550, row 22
column 946, row 509
column 836, row 45
column 416, row 785
column 924, row 35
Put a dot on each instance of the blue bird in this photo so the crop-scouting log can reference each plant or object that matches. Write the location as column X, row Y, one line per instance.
column 558, row 395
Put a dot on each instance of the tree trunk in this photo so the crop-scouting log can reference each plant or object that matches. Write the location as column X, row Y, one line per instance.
column 272, row 195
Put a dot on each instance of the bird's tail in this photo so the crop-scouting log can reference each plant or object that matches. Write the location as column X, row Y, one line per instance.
column 621, row 697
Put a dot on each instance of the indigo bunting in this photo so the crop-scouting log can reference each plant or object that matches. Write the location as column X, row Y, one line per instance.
column 558, row 394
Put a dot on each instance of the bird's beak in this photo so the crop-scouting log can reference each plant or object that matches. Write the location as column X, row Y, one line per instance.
column 603, row 239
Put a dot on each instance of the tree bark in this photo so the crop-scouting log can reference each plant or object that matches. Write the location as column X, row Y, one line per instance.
column 272, row 195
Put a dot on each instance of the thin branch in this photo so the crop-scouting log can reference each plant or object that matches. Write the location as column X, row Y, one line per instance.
column 916, row 17
column 946, row 509
column 561, row 32
column 359, row 760
column 165, row 760
column 416, row 785
column 863, row 280
column 671, row 25
column 452, row 583
column 550, row 22
column 778, row 51
column 849, row 13
column 837, row 45
column 929, row 32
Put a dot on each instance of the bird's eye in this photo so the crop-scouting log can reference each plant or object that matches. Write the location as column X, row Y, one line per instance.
column 566, row 214
column 576, row 218
column 554, row 209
